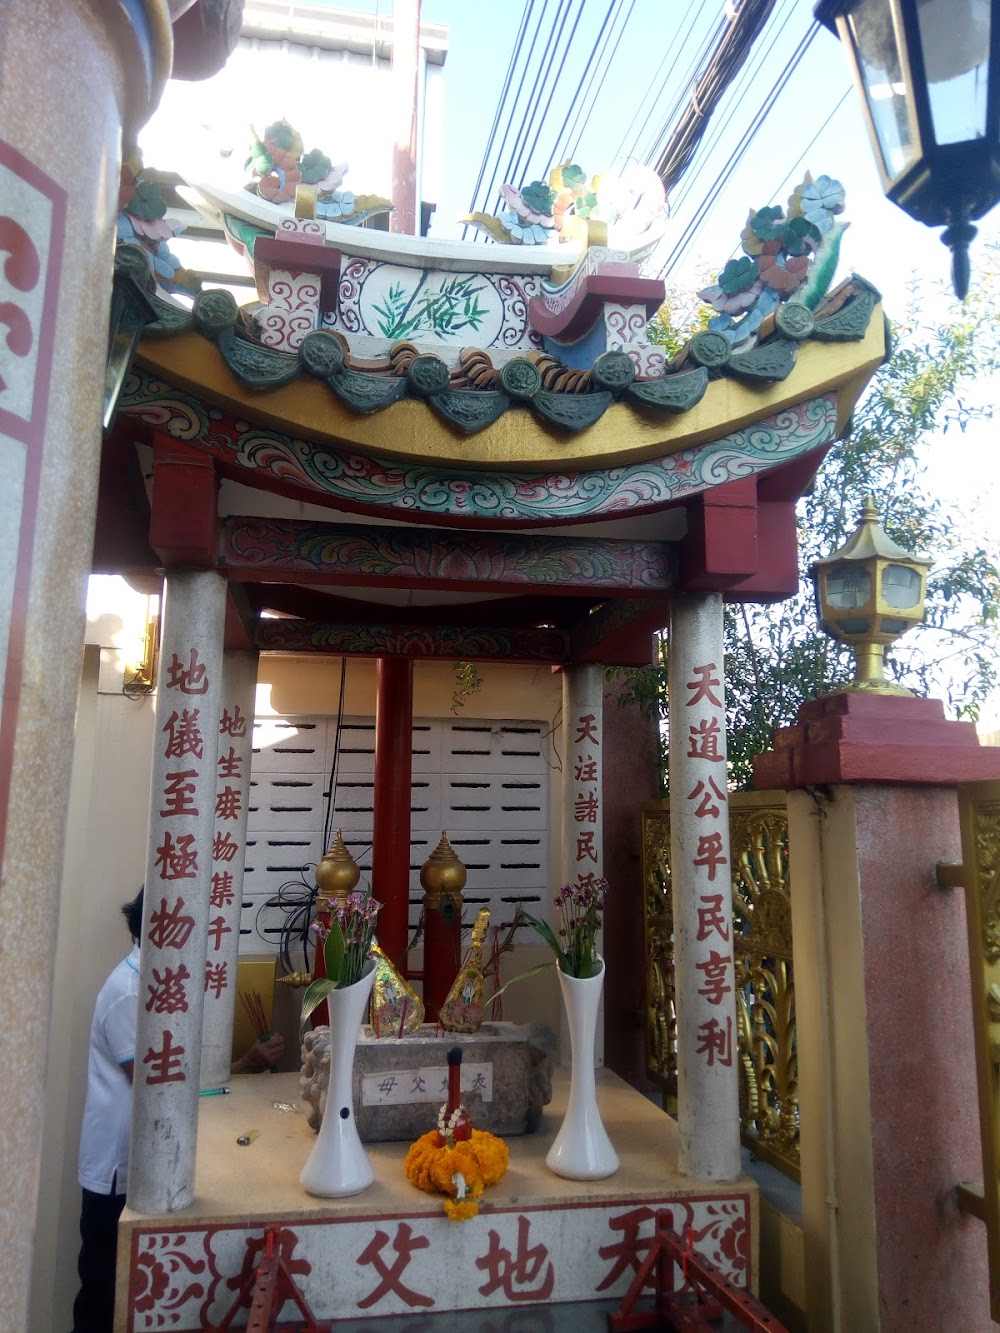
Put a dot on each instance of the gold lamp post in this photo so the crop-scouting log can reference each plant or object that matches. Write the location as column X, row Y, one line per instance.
column 868, row 594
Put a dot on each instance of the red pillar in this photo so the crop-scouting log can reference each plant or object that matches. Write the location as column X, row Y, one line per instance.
column 391, row 821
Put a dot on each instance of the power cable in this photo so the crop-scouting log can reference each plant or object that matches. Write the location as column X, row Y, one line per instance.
column 490, row 190
column 725, row 64
column 728, row 111
column 590, row 65
column 540, row 78
column 508, row 78
column 524, row 160
column 583, row 116
column 732, row 162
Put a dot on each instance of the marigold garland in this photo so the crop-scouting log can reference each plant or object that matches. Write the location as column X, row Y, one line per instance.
column 461, row 1172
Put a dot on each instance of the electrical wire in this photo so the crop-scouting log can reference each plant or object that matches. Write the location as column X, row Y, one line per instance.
column 508, row 77
column 649, row 88
column 727, row 59
column 572, row 151
column 734, row 160
column 490, row 190
column 728, row 111
column 521, row 155
column 555, row 84
column 684, row 86
column 555, row 156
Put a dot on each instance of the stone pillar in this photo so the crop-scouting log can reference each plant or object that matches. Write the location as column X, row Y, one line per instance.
column 887, row 1075
column 391, row 814
column 60, row 153
column 239, row 684
column 708, row 1112
column 178, row 884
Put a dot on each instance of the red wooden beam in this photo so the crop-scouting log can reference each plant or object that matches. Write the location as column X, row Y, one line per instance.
column 302, row 551
column 391, row 813
column 183, row 521
column 720, row 547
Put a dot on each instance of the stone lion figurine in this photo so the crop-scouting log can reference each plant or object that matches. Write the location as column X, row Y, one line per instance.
column 315, row 1073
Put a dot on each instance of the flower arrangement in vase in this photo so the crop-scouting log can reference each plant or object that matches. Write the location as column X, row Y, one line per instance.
column 338, row 1164
column 582, row 1149
column 580, row 908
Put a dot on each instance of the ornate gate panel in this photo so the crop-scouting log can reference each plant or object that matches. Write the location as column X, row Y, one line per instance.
column 762, row 917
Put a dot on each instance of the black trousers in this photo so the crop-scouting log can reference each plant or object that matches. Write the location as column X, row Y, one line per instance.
column 94, row 1307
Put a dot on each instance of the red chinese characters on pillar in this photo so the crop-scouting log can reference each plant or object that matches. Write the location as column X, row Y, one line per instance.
column 191, row 678
column 525, row 1275
column 222, row 894
column 709, row 806
column 216, row 978
column 168, row 992
column 586, row 806
column 165, row 1063
column 177, row 859
column 716, row 1041
column 232, row 724
column 184, row 734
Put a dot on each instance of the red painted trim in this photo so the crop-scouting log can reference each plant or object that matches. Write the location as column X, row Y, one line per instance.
column 391, row 814
column 586, row 305
column 239, row 621
column 857, row 737
column 777, row 573
column 720, row 547
column 284, row 252
column 182, row 528
column 32, row 434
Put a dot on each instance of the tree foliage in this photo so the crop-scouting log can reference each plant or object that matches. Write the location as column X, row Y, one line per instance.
column 920, row 403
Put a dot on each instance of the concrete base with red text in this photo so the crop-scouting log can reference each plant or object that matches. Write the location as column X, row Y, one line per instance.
column 391, row 1250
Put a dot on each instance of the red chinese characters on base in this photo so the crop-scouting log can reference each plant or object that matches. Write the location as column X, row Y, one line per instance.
column 405, row 1245
column 525, row 1275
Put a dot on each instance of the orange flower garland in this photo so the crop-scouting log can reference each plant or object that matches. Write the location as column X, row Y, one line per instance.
column 460, row 1172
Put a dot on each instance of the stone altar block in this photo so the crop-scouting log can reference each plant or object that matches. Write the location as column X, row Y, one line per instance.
column 391, row 1250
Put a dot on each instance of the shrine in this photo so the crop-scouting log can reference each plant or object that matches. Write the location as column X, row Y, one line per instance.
column 411, row 452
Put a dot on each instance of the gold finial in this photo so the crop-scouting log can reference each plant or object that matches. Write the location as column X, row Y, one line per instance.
column 337, row 874
column 443, row 876
column 295, row 980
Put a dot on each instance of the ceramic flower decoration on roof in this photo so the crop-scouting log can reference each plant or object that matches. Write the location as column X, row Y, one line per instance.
column 279, row 167
column 818, row 201
column 142, row 221
column 786, row 256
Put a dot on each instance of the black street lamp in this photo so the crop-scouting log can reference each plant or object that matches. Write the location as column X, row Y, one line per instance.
column 928, row 72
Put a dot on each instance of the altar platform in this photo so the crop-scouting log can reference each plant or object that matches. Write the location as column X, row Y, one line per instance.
column 538, row 1239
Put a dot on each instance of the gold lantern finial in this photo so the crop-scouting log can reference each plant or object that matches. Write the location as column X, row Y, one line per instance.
column 443, row 877
column 868, row 594
column 338, row 873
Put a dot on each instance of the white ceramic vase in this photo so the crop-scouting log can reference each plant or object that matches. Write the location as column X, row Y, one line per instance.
column 582, row 1150
column 338, row 1164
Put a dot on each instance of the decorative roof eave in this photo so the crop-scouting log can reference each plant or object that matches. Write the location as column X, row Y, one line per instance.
column 518, row 437
column 460, row 496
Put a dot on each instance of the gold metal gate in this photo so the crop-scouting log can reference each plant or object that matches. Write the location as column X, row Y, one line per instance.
column 762, row 919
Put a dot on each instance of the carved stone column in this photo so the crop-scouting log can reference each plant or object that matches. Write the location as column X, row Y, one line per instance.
column 178, row 885
column 707, row 1060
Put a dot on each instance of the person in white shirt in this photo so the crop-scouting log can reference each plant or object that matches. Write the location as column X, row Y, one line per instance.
column 107, row 1123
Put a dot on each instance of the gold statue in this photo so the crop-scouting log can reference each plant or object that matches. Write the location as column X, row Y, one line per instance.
column 462, row 1011
column 396, row 1009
